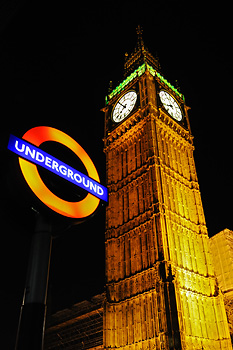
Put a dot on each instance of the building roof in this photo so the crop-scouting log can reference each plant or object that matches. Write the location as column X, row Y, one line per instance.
column 80, row 327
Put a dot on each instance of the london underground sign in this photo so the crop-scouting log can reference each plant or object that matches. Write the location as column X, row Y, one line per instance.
column 30, row 155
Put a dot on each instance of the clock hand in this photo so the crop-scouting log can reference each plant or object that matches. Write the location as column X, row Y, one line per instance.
column 122, row 104
column 169, row 105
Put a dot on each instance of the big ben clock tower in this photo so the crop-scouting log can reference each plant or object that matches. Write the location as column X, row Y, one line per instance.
column 161, row 292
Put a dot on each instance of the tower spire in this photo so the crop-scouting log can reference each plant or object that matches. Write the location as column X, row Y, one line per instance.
column 140, row 42
column 139, row 56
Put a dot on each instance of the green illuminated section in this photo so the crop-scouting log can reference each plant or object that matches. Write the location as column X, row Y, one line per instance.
column 169, row 85
column 137, row 73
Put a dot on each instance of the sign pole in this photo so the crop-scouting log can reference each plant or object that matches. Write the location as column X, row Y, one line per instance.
column 30, row 334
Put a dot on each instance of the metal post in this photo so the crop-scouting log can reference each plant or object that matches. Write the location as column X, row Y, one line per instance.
column 30, row 334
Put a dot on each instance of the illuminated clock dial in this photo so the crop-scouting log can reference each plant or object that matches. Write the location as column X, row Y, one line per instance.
column 171, row 105
column 124, row 106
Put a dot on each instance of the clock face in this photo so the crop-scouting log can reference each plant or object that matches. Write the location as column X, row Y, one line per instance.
column 124, row 106
column 171, row 105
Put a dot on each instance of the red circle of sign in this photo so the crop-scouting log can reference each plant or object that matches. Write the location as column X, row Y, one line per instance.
column 80, row 209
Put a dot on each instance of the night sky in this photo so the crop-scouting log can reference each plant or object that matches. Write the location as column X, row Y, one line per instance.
column 56, row 61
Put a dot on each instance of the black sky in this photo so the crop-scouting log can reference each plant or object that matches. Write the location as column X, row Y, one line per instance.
column 56, row 61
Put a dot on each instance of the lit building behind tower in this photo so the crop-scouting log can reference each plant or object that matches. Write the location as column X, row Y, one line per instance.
column 222, row 251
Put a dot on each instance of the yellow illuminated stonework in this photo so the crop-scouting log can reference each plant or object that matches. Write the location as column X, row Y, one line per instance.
column 161, row 292
column 222, row 250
